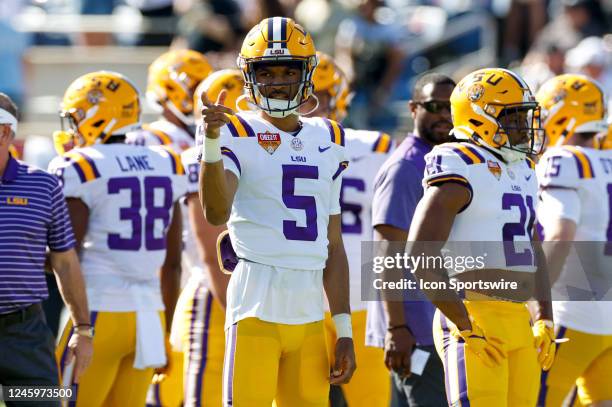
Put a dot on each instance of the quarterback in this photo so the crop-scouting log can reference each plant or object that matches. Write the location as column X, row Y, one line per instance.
column 274, row 177
column 483, row 189
column 122, row 201
column 575, row 177
column 367, row 151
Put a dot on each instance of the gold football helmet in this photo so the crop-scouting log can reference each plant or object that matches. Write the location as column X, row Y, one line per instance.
column 97, row 106
column 328, row 77
column 278, row 40
column 571, row 104
column 343, row 100
column 229, row 79
column 172, row 80
column 495, row 108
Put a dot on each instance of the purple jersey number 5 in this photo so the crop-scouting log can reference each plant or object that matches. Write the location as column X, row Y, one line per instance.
column 306, row 203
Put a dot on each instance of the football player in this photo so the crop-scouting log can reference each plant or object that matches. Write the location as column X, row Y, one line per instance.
column 200, row 313
column 575, row 178
column 483, row 189
column 367, row 150
column 274, row 177
column 122, row 201
column 171, row 82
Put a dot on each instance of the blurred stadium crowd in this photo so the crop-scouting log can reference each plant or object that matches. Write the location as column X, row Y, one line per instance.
column 382, row 45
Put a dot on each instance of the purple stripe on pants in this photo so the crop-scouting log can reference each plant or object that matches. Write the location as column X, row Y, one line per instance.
column 445, row 344
column 204, row 348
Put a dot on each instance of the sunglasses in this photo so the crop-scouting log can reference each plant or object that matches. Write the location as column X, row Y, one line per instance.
column 434, row 106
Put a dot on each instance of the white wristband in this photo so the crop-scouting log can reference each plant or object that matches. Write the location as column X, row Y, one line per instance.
column 212, row 150
column 344, row 327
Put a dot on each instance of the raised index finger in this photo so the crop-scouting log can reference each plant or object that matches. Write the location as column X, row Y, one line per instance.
column 221, row 97
column 204, row 99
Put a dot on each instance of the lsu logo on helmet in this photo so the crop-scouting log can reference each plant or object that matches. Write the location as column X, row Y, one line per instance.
column 278, row 40
column 495, row 109
column 97, row 106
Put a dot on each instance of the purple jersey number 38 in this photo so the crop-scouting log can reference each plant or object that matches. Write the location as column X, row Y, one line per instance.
column 131, row 213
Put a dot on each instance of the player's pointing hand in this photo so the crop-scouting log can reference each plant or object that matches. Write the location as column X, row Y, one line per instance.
column 215, row 115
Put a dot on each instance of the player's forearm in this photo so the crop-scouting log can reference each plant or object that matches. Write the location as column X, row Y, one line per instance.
column 206, row 238
column 336, row 280
column 170, row 271
column 556, row 253
column 559, row 237
column 170, row 278
column 543, row 280
column 71, row 285
column 218, row 280
column 214, row 193
column 430, row 228
column 445, row 299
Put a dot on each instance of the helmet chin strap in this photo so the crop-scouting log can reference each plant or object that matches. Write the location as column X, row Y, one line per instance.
column 314, row 108
column 249, row 102
column 278, row 107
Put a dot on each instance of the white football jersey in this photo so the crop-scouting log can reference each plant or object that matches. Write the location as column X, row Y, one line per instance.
column 501, row 209
column 584, row 177
column 130, row 192
column 366, row 151
column 289, row 185
column 191, row 256
column 162, row 132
